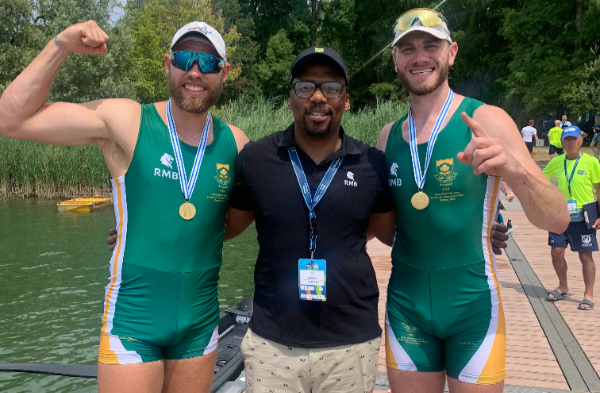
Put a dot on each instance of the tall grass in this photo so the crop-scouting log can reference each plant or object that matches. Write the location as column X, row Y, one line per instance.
column 45, row 171
column 34, row 169
column 263, row 117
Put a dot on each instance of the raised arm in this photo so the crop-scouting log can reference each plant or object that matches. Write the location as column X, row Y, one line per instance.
column 497, row 150
column 25, row 115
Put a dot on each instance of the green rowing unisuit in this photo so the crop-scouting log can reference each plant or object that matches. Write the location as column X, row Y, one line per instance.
column 443, row 305
column 162, row 298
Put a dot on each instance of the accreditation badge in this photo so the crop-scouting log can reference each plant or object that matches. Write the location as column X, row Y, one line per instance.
column 572, row 206
column 311, row 279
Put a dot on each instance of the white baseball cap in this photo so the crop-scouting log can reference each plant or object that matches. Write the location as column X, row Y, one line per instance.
column 204, row 30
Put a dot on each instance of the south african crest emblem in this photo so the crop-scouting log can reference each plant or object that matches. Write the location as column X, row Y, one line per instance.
column 223, row 178
column 445, row 174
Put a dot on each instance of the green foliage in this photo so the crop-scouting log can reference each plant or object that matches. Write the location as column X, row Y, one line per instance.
column 549, row 42
column 35, row 169
column 153, row 25
column 246, row 53
column 274, row 70
column 584, row 93
column 29, row 25
column 366, row 124
column 20, row 39
column 257, row 118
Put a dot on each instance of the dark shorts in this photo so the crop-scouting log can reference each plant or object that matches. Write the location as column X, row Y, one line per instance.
column 577, row 235
column 529, row 146
column 596, row 137
column 554, row 149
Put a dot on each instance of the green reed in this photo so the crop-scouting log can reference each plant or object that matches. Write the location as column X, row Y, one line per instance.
column 46, row 171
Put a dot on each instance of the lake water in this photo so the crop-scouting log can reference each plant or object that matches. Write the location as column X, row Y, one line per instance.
column 53, row 270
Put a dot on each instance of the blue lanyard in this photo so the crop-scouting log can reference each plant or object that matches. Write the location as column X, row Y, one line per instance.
column 310, row 201
column 570, row 179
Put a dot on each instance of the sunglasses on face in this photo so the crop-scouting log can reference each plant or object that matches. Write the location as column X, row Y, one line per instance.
column 328, row 89
column 426, row 16
column 208, row 64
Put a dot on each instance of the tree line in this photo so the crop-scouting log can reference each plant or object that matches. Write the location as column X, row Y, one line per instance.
column 533, row 58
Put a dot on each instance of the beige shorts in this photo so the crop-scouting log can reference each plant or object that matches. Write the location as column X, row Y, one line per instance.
column 275, row 367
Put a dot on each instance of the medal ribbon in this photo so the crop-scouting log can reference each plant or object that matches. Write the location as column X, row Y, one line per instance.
column 570, row 179
column 187, row 187
column 311, row 202
column 416, row 163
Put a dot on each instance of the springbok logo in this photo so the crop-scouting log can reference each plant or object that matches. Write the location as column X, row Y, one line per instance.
column 167, row 160
column 350, row 175
column 394, row 169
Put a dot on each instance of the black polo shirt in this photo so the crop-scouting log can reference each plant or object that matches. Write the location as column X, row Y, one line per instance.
column 266, row 183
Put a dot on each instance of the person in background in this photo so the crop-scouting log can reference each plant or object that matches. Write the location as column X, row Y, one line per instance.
column 564, row 122
column 555, row 148
column 595, row 138
column 529, row 133
column 578, row 175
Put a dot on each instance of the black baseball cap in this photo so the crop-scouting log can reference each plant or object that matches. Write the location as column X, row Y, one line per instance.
column 319, row 54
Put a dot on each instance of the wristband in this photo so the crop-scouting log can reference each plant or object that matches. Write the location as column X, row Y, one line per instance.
column 60, row 44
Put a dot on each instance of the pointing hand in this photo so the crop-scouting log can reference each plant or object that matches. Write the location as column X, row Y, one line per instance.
column 484, row 153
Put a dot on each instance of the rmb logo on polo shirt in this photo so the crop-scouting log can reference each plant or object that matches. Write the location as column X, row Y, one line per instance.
column 166, row 160
column 350, row 182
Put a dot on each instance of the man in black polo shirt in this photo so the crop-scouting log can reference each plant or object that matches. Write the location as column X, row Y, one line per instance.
column 313, row 330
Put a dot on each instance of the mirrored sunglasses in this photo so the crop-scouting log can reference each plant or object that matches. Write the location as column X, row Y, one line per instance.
column 208, row 64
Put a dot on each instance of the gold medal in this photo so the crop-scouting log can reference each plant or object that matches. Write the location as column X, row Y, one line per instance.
column 420, row 200
column 187, row 211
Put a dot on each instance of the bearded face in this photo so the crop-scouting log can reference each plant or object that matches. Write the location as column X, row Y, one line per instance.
column 422, row 62
column 190, row 103
column 422, row 88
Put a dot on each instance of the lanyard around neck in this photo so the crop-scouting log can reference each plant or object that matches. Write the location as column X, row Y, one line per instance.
column 311, row 201
column 570, row 179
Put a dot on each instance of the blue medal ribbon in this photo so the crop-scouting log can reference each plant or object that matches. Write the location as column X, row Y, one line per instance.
column 311, row 202
column 187, row 187
column 412, row 131
column 570, row 179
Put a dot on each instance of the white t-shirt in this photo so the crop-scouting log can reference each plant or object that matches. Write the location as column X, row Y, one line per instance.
column 528, row 133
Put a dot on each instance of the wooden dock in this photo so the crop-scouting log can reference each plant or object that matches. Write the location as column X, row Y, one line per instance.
column 541, row 350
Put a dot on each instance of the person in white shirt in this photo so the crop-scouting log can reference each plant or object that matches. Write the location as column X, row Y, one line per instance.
column 528, row 134
column 565, row 123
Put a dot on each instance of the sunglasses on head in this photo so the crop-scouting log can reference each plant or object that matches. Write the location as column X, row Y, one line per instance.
column 208, row 64
column 426, row 16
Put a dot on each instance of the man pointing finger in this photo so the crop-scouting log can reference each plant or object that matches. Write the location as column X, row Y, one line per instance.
column 444, row 314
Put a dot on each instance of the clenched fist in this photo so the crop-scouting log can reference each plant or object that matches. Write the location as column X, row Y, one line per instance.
column 85, row 38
